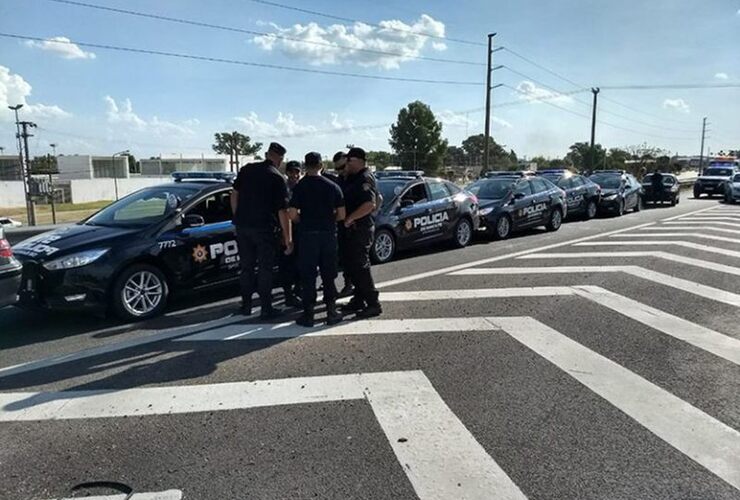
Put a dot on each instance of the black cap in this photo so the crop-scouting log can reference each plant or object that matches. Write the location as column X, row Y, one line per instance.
column 338, row 156
column 276, row 148
column 356, row 153
column 293, row 165
column 312, row 159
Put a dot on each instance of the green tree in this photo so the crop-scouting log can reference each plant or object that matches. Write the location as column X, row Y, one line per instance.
column 581, row 157
column 455, row 156
column 234, row 144
column 416, row 138
column 379, row 159
column 616, row 159
column 44, row 165
column 498, row 159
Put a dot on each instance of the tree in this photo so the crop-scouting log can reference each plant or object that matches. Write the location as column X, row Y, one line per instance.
column 379, row 159
column 617, row 159
column 498, row 158
column 44, row 165
column 234, row 144
column 581, row 157
column 455, row 156
column 540, row 161
column 416, row 138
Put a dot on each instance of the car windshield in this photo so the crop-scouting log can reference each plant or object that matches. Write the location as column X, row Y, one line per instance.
column 607, row 181
column 668, row 180
column 389, row 189
column 736, row 178
column 142, row 208
column 491, row 189
column 719, row 172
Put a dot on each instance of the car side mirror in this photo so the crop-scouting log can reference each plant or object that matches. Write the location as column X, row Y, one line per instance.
column 193, row 220
column 518, row 196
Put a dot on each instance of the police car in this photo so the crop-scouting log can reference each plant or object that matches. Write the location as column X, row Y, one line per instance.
column 582, row 196
column 420, row 210
column 714, row 178
column 130, row 256
column 620, row 191
column 515, row 202
column 732, row 189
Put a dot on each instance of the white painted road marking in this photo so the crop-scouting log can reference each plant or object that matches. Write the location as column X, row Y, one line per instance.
column 159, row 495
column 705, row 264
column 705, row 291
column 687, row 227
column 439, row 455
column 679, row 235
column 714, row 220
column 685, row 244
column 699, row 436
column 689, row 213
column 483, row 293
column 705, row 223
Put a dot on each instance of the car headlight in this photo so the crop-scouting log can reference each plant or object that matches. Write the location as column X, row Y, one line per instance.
column 75, row 260
column 610, row 197
column 485, row 211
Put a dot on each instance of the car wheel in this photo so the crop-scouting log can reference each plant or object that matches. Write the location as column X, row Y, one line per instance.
column 463, row 233
column 638, row 205
column 503, row 228
column 139, row 293
column 674, row 201
column 591, row 209
column 384, row 247
column 556, row 220
column 697, row 193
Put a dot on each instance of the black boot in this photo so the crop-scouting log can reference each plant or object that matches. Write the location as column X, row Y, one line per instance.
column 333, row 316
column 245, row 307
column 353, row 305
column 371, row 311
column 306, row 318
column 292, row 300
column 347, row 290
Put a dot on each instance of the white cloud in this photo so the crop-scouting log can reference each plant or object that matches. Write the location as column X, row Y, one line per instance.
column 721, row 76
column 677, row 104
column 528, row 91
column 122, row 113
column 462, row 120
column 329, row 44
column 62, row 46
column 283, row 125
column 15, row 90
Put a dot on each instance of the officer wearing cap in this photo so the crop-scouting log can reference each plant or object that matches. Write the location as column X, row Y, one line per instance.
column 294, row 173
column 361, row 198
column 318, row 204
column 288, row 264
column 340, row 160
column 259, row 203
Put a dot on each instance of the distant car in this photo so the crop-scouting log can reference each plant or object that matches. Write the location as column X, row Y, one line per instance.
column 712, row 180
column 512, row 203
column 381, row 174
column 581, row 194
column 10, row 273
column 506, row 173
column 732, row 189
column 420, row 210
column 8, row 222
column 670, row 191
column 620, row 191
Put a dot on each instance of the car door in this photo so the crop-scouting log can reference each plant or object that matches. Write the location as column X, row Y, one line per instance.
column 578, row 195
column 542, row 201
column 523, row 204
column 413, row 205
column 444, row 214
column 204, row 254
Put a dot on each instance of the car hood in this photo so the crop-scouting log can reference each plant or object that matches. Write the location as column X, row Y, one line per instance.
column 488, row 203
column 69, row 239
column 609, row 192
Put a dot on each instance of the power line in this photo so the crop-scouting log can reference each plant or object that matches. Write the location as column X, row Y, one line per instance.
column 673, row 86
column 241, row 63
column 351, row 20
column 258, row 33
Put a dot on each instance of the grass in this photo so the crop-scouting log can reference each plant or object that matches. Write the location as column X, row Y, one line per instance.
column 66, row 212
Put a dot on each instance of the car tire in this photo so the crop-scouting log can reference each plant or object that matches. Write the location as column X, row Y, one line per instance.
column 463, row 234
column 140, row 292
column 591, row 209
column 384, row 247
column 555, row 220
column 502, row 229
column 697, row 193
column 674, row 201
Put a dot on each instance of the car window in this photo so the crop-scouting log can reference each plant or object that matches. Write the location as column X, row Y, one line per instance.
column 453, row 188
column 539, row 185
column 577, row 181
column 564, row 183
column 4, row 221
column 415, row 194
column 438, row 191
column 523, row 187
column 144, row 207
column 215, row 208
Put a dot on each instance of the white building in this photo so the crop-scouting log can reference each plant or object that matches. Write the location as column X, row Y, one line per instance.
column 92, row 167
column 165, row 166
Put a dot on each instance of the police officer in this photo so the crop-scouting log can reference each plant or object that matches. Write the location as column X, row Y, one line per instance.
column 294, row 173
column 318, row 204
column 657, row 185
column 288, row 264
column 259, row 202
column 360, row 196
column 340, row 160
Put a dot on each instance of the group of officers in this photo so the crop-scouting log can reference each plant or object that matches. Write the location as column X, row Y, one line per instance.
column 307, row 223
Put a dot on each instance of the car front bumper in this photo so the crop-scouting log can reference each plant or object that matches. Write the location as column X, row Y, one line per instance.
column 10, row 280
column 609, row 205
column 69, row 289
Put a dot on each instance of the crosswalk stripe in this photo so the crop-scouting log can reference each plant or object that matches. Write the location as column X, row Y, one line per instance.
column 439, row 455
column 730, row 221
column 704, row 439
column 157, row 495
column 365, row 327
column 687, row 227
column 705, row 264
column 705, row 291
column 679, row 235
column 483, row 293
column 685, row 244
column 695, row 222
column 703, row 210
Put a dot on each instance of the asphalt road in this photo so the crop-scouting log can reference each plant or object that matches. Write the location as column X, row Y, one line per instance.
column 600, row 361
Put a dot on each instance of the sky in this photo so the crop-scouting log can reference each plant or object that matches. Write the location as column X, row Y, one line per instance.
column 100, row 101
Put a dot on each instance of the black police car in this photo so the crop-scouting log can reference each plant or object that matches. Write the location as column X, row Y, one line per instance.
column 620, row 191
column 131, row 255
column 512, row 203
column 669, row 190
column 581, row 194
column 420, row 210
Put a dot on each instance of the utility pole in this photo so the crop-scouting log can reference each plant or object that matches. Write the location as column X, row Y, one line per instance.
column 51, row 184
column 29, row 197
column 21, row 163
column 701, row 154
column 489, row 87
column 592, row 152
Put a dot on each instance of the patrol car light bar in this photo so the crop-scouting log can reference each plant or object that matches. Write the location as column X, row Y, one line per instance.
column 214, row 176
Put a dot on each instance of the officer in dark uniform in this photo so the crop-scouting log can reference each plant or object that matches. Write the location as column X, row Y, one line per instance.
column 288, row 264
column 259, row 202
column 318, row 204
column 340, row 160
column 657, row 185
column 360, row 197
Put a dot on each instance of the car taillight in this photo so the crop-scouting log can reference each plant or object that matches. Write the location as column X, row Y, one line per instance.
column 5, row 250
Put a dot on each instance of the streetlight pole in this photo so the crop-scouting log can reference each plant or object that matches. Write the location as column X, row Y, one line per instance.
column 115, row 173
column 29, row 207
column 51, row 183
